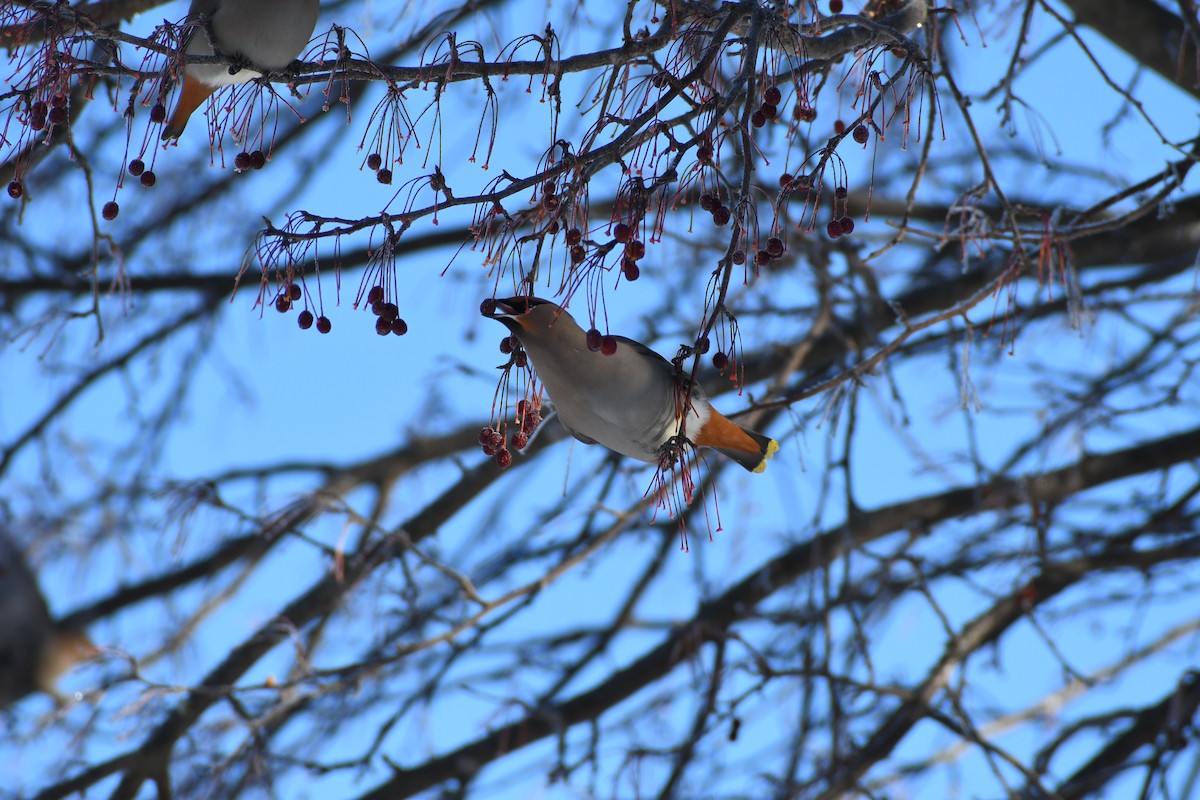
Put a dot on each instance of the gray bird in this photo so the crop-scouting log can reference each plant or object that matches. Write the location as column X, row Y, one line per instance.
column 262, row 35
column 628, row 400
column 34, row 649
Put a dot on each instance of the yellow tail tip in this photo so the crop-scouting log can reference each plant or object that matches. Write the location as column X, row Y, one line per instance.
column 772, row 449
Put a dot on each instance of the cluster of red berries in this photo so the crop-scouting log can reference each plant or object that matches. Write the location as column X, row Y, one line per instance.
column 712, row 204
column 387, row 314
column 768, row 109
column 719, row 359
column 146, row 177
column 375, row 164
column 840, row 225
column 575, row 242
column 288, row 297
column 511, row 346
column 635, row 250
column 55, row 113
column 803, row 112
column 550, row 198
column 494, row 443
column 244, row 161
column 605, row 344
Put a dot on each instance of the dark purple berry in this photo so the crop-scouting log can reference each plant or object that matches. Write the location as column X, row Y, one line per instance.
column 847, row 226
column 774, row 247
column 374, row 161
column 110, row 210
column 241, row 162
column 137, row 167
column 258, row 159
column 772, row 95
column 282, row 304
column 158, row 112
column 294, row 292
column 148, row 178
column 305, row 320
column 720, row 360
column 399, row 327
column 861, row 134
column 324, row 325
column 383, row 327
column 594, row 340
column 384, row 176
column 15, row 189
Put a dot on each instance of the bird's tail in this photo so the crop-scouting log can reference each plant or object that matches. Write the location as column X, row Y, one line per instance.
column 748, row 448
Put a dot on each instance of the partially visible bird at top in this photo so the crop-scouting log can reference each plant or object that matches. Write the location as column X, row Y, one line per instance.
column 34, row 649
column 261, row 35
column 628, row 400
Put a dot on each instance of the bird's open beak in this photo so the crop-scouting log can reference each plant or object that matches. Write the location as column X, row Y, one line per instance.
column 502, row 310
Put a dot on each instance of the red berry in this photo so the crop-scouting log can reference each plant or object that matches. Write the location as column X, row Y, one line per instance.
column 506, row 345
column 838, row 126
column 58, row 115
column 608, row 345
column 721, row 215
column 282, row 304
column 549, row 188
column 521, row 359
column 835, row 6
column 148, row 178
column 847, row 226
column 769, row 110
column 861, row 134
column 720, row 360
column 384, row 176
column 399, row 327
column 704, row 154
column 294, row 292
column 785, row 180
column 305, row 320
column 503, row 459
column 520, row 440
column 772, row 95
column 485, row 435
column 137, row 167
column 594, row 340
column 241, row 162
column 383, row 327
column 488, row 307
column 158, row 112
column 377, row 307
column 375, row 295
column 635, row 249
column 578, row 254
column 110, row 210
column 632, row 273
column 574, row 236
column 390, row 312
column 324, row 325
column 834, row 228
column 758, row 118
column 258, row 159
column 374, row 161
column 622, row 232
